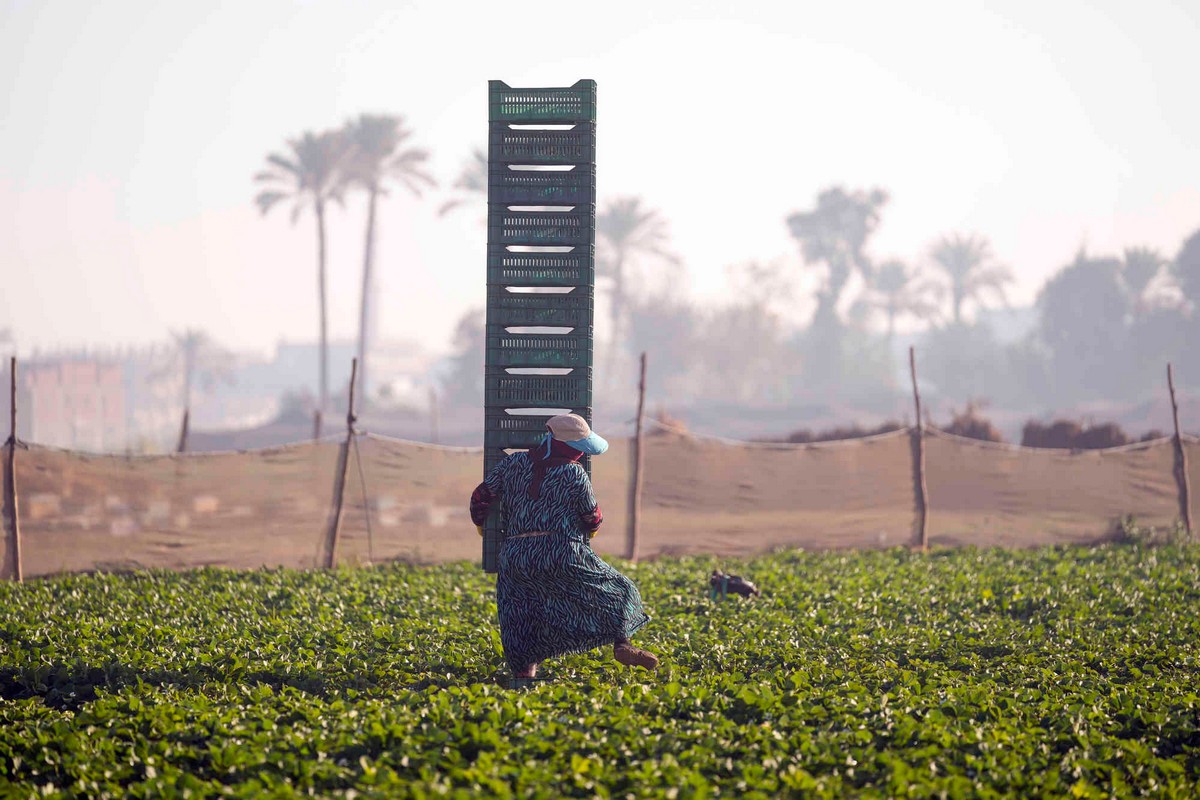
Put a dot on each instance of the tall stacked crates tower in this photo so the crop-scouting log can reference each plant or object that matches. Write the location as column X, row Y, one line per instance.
column 541, row 268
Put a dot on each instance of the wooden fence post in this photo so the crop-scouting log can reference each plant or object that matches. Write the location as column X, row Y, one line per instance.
column 433, row 415
column 635, row 482
column 1181, row 465
column 918, row 453
column 181, row 446
column 10, row 479
column 339, row 485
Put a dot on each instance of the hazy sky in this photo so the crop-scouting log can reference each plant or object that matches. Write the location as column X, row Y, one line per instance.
column 132, row 131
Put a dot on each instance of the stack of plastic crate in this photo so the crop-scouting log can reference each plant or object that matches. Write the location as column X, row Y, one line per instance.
column 541, row 268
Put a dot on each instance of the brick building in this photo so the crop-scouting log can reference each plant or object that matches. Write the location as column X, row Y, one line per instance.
column 75, row 402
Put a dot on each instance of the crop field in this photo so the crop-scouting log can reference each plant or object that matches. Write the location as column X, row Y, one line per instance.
column 1064, row 672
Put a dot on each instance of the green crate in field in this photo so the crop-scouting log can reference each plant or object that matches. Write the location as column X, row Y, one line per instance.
column 522, row 268
column 531, row 187
column 493, row 455
column 541, row 268
column 493, row 538
column 509, row 144
column 542, row 228
column 570, row 104
column 573, row 309
column 506, row 349
column 522, row 426
column 503, row 389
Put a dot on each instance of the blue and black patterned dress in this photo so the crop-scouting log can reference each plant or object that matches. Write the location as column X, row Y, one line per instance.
column 554, row 594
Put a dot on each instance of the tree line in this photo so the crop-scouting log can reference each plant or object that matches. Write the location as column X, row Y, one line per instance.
column 367, row 155
column 1105, row 323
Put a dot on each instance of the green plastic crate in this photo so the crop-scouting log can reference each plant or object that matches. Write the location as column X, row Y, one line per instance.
column 514, row 141
column 520, row 187
column 493, row 538
column 506, row 308
column 575, row 103
column 543, row 228
column 508, row 268
column 506, row 349
column 494, row 455
column 503, row 390
column 507, row 145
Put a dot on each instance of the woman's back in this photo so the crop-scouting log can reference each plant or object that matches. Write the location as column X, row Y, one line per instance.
column 565, row 496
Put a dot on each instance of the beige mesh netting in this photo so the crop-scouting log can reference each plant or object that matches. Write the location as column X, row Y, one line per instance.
column 84, row 512
column 990, row 494
column 418, row 496
column 408, row 501
column 704, row 495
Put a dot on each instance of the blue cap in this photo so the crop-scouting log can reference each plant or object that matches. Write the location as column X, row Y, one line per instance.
column 593, row 445
column 573, row 430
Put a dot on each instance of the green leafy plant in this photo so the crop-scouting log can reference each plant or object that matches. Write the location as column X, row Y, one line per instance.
column 1130, row 531
column 1062, row 671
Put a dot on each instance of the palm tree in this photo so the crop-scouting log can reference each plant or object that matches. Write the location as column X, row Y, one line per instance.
column 835, row 233
column 472, row 183
column 311, row 174
column 626, row 232
column 378, row 156
column 194, row 358
column 970, row 270
column 199, row 359
column 895, row 289
column 1186, row 268
column 1139, row 268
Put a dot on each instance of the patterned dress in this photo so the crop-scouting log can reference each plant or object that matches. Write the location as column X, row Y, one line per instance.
column 553, row 593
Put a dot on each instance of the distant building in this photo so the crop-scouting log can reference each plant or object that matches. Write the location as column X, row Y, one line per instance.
column 73, row 401
column 132, row 400
column 154, row 409
column 252, row 396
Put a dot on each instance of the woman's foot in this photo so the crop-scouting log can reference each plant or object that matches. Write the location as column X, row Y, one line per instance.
column 631, row 656
column 528, row 672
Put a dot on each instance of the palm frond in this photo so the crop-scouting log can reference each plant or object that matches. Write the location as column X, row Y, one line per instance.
column 267, row 200
column 448, row 206
column 1141, row 266
column 284, row 164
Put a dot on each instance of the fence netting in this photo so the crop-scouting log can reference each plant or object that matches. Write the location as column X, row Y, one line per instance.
column 88, row 512
column 408, row 501
column 707, row 495
column 1010, row 496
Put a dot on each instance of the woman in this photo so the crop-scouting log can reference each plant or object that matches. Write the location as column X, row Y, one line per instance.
column 554, row 594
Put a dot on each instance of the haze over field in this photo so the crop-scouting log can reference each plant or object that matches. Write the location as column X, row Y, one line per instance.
column 133, row 129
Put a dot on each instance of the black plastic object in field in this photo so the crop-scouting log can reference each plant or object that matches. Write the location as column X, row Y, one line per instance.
column 541, row 269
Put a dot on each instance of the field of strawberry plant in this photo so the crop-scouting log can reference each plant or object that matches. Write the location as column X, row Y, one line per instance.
column 1065, row 672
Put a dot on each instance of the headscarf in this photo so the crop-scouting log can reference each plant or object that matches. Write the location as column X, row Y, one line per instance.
column 550, row 452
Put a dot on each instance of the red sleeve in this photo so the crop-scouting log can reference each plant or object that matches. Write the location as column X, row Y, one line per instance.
column 487, row 493
column 590, row 515
column 481, row 501
column 591, row 522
